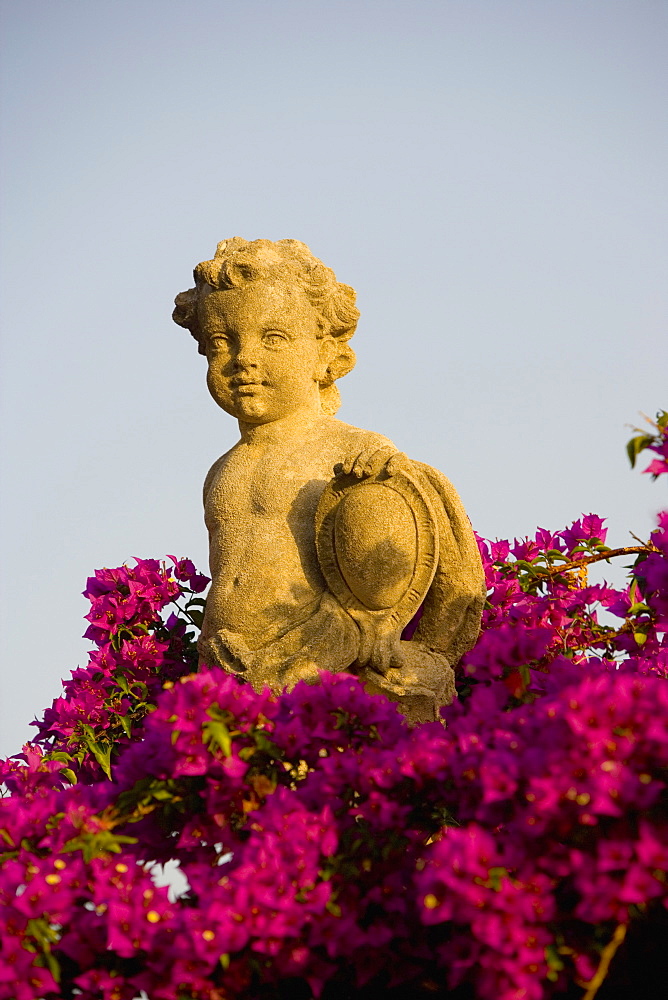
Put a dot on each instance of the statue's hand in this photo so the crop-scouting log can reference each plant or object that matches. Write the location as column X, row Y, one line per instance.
column 370, row 462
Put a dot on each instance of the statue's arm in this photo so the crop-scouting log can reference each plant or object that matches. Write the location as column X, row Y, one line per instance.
column 210, row 477
column 453, row 606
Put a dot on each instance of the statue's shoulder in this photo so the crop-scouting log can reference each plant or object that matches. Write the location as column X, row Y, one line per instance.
column 451, row 612
column 214, row 471
column 442, row 486
column 349, row 438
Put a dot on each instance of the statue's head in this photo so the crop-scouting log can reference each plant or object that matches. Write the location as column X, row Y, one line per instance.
column 289, row 263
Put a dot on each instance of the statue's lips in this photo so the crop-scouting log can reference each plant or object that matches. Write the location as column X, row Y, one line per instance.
column 242, row 387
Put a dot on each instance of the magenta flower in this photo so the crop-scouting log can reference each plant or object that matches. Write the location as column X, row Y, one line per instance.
column 321, row 839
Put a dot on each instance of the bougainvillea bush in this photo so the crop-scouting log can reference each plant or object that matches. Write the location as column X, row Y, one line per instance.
column 325, row 848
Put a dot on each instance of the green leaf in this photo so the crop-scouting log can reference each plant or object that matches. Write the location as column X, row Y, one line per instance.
column 637, row 609
column 122, row 682
column 68, row 773
column 636, row 445
column 53, row 964
column 198, row 601
column 42, row 931
column 554, row 963
column 631, row 452
column 495, row 877
column 217, row 733
column 96, row 845
column 101, row 753
column 125, row 722
column 103, row 757
column 525, row 673
column 263, row 742
column 162, row 794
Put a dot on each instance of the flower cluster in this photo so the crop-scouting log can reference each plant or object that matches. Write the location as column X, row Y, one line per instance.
column 656, row 441
column 542, row 611
column 325, row 847
column 105, row 702
column 573, row 789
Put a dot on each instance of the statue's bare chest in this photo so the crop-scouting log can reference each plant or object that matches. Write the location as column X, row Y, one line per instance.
column 251, row 486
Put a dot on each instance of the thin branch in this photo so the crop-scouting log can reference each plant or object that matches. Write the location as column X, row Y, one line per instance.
column 607, row 956
column 597, row 557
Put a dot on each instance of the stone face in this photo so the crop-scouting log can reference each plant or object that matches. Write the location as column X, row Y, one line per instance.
column 325, row 541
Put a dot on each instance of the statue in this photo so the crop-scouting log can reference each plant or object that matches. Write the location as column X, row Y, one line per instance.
column 326, row 543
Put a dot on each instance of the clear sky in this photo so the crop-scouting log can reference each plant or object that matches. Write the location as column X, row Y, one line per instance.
column 490, row 175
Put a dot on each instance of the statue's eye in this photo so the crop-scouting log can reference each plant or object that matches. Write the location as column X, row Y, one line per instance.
column 274, row 338
column 218, row 340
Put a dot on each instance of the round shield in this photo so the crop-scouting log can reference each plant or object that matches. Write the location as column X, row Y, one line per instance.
column 377, row 543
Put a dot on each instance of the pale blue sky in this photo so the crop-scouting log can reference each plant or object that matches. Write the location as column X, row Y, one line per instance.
column 490, row 175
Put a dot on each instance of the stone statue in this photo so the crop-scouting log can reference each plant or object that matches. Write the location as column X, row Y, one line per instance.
column 326, row 543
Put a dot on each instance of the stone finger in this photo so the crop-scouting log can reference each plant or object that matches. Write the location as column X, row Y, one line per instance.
column 396, row 462
column 347, row 464
column 359, row 465
column 376, row 460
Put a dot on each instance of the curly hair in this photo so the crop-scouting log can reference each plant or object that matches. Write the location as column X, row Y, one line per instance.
column 238, row 262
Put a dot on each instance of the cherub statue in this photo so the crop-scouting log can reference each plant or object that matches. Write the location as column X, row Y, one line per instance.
column 326, row 543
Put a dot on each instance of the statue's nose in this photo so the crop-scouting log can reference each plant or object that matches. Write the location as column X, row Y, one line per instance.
column 246, row 358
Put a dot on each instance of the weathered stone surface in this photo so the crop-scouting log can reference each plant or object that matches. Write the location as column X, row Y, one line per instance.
column 375, row 541
column 325, row 541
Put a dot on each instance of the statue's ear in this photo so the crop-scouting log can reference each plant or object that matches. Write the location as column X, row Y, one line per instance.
column 341, row 361
column 328, row 349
